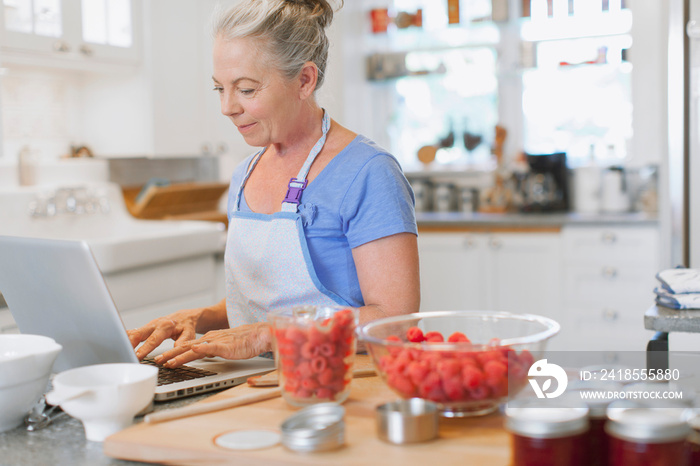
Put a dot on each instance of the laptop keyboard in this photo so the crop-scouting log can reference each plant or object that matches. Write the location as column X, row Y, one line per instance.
column 167, row 375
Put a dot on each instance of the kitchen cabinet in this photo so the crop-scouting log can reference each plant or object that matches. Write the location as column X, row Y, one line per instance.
column 609, row 278
column 504, row 271
column 167, row 108
column 70, row 33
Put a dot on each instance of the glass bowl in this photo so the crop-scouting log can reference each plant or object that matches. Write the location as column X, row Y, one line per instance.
column 482, row 362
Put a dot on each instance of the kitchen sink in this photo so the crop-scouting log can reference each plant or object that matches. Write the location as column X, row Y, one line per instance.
column 117, row 240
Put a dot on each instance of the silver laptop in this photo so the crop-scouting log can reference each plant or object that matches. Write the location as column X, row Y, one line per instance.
column 55, row 288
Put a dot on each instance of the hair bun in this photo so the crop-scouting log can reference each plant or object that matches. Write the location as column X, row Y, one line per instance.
column 320, row 9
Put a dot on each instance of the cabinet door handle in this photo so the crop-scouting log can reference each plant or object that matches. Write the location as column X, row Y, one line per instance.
column 693, row 29
column 495, row 243
column 608, row 237
column 610, row 315
column 469, row 243
column 609, row 272
column 61, row 46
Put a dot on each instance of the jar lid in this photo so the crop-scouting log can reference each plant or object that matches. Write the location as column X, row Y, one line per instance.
column 634, row 422
column 315, row 428
column 597, row 405
column 546, row 419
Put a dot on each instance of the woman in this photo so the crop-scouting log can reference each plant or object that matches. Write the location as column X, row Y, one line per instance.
column 341, row 232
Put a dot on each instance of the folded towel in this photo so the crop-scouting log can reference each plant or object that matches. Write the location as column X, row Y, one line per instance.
column 677, row 300
column 678, row 281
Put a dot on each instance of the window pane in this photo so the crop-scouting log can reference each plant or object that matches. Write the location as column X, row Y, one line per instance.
column 94, row 21
column 47, row 18
column 119, row 21
column 18, row 15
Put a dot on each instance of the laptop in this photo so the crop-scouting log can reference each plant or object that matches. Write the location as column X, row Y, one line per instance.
column 55, row 288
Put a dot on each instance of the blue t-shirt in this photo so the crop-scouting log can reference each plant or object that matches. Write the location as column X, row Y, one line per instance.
column 360, row 196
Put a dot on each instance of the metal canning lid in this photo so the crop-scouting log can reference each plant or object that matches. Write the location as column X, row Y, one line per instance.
column 540, row 419
column 646, row 424
column 315, row 428
column 407, row 421
column 597, row 406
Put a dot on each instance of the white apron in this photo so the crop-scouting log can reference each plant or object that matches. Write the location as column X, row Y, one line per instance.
column 268, row 265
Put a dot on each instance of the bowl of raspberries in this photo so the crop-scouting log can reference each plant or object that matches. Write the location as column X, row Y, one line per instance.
column 468, row 362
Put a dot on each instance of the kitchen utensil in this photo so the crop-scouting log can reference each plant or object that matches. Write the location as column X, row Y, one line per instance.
column 25, row 365
column 314, row 352
column 407, row 421
column 248, row 439
column 586, row 189
column 423, row 194
column 523, row 338
column 271, row 379
column 445, row 198
column 203, row 408
column 317, row 427
column 40, row 417
column 104, row 397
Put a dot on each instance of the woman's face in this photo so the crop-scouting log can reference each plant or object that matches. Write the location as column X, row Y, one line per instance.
column 256, row 97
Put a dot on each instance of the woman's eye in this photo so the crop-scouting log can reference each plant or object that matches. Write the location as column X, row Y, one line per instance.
column 247, row 91
column 218, row 89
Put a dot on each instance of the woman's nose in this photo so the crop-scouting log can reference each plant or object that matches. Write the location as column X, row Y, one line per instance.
column 230, row 105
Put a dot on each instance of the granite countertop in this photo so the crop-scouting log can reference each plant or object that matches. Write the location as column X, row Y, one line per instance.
column 662, row 319
column 63, row 442
column 466, row 219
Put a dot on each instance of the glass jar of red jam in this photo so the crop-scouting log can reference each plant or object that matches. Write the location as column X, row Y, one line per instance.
column 642, row 435
column 600, row 395
column 544, row 433
column 694, row 440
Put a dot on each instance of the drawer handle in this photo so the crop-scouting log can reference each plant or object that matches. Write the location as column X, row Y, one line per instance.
column 608, row 237
column 496, row 243
column 610, row 315
column 469, row 243
column 609, row 272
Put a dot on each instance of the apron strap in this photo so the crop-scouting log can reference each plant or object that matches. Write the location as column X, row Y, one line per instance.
column 297, row 185
column 252, row 165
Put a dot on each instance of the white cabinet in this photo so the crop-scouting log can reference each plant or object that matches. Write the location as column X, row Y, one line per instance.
column 167, row 108
column 513, row 272
column 609, row 278
column 73, row 32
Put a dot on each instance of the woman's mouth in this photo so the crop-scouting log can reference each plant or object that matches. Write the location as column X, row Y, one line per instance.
column 245, row 128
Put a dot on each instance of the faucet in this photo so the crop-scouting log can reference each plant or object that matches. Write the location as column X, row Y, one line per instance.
column 71, row 200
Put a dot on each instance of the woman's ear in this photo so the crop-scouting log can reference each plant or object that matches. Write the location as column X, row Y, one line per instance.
column 308, row 78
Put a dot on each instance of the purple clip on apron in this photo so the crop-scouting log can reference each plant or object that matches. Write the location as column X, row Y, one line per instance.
column 268, row 266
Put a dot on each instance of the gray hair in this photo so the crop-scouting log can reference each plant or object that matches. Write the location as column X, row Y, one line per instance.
column 291, row 32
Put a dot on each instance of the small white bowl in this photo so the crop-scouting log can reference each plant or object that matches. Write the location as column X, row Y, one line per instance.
column 104, row 397
column 25, row 367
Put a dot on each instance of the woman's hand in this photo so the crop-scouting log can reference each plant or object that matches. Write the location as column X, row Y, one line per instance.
column 242, row 342
column 180, row 326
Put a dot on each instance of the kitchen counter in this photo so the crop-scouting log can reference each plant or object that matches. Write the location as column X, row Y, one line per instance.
column 450, row 220
column 63, row 443
column 663, row 319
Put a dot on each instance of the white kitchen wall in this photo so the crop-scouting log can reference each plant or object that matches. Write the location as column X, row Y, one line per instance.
column 39, row 107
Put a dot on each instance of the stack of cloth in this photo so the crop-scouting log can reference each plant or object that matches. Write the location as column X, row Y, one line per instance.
column 680, row 288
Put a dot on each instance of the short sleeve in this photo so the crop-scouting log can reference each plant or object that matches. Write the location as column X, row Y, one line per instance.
column 378, row 203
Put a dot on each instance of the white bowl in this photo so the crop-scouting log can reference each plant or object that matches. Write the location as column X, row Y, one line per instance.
column 25, row 367
column 105, row 397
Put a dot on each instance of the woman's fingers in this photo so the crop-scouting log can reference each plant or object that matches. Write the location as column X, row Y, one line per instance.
column 162, row 330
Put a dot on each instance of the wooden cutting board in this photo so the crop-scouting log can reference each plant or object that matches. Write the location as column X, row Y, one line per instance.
column 189, row 441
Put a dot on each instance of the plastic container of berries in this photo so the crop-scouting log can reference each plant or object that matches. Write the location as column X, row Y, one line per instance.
column 314, row 352
column 467, row 362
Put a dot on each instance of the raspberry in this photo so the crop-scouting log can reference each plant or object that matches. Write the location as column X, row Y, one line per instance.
column 434, row 337
column 448, row 368
column 472, row 377
column 402, row 385
column 309, row 350
column 303, row 370
column 326, row 376
column 303, row 393
column 318, row 364
column 415, row 335
column 495, row 372
column 526, row 358
column 326, row 349
column 417, row 371
column 309, row 384
column 324, row 393
column 480, row 392
column 296, row 335
column 453, row 388
column 458, row 337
